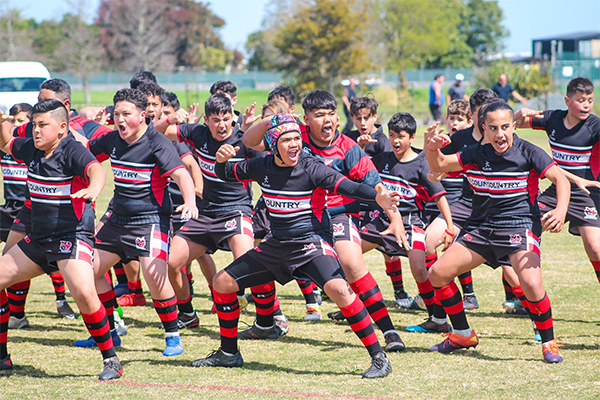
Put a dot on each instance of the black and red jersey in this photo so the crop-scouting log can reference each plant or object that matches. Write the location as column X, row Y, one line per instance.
column 141, row 171
column 176, row 197
column 576, row 150
column 408, row 179
column 296, row 197
column 51, row 181
column 505, row 186
column 347, row 158
column 218, row 197
column 455, row 184
column 372, row 149
column 15, row 178
column 86, row 127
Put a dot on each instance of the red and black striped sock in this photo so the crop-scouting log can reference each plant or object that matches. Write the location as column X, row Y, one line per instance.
column 264, row 298
column 596, row 265
column 228, row 311
column 541, row 314
column 508, row 291
column 167, row 312
column 17, row 296
column 430, row 260
column 466, row 283
column 109, row 278
column 59, row 285
column 4, row 316
column 185, row 306
column 97, row 325
column 393, row 269
column 369, row 293
column 451, row 300
column 306, row 287
column 359, row 321
column 135, row 287
column 109, row 302
column 428, row 296
column 120, row 273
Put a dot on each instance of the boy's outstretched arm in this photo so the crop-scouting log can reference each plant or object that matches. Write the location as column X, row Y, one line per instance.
column 581, row 183
column 554, row 220
column 183, row 179
column 253, row 137
column 96, row 178
column 449, row 234
column 438, row 162
column 194, row 169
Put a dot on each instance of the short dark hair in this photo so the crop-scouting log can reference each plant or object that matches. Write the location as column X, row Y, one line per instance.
column 151, row 89
column 225, row 87
column 286, row 93
column 358, row 103
column 319, row 99
column 58, row 86
column 481, row 96
column 491, row 107
column 170, row 99
column 403, row 122
column 437, row 76
column 133, row 96
column 217, row 104
column 141, row 77
column 21, row 107
column 459, row 107
column 579, row 84
column 55, row 108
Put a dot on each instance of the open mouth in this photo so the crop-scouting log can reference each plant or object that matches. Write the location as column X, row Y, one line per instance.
column 501, row 144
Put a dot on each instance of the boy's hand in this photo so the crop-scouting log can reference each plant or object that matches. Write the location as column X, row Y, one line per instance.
column 249, row 118
column 439, row 140
column 447, row 239
column 436, row 176
column 178, row 117
column 101, row 117
column 4, row 117
column 553, row 221
column 225, row 152
column 584, row 184
column 363, row 140
column 87, row 193
column 192, row 118
column 187, row 211
column 522, row 114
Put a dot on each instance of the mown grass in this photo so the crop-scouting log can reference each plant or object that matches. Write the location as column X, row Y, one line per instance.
column 325, row 359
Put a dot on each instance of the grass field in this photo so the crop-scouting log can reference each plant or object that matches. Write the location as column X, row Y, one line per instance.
column 325, row 359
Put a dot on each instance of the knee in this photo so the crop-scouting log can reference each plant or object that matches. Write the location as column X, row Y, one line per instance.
column 224, row 283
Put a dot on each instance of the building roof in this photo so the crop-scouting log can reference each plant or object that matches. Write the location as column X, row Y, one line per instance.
column 572, row 36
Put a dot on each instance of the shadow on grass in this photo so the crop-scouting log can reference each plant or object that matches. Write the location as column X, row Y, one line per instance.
column 32, row 372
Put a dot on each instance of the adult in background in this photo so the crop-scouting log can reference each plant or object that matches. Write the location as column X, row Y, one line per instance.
column 348, row 94
column 436, row 97
column 457, row 90
column 503, row 89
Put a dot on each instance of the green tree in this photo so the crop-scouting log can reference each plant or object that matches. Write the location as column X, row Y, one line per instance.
column 528, row 80
column 482, row 27
column 320, row 43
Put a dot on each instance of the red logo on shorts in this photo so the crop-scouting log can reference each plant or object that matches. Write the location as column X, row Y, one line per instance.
column 515, row 239
column 590, row 213
column 541, row 205
column 468, row 237
column 309, row 248
column 231, row 225
column 364, row 229
column 338, row 229
column 27, row 239
column 140, row 243
column 65, row 246
column 374, row 214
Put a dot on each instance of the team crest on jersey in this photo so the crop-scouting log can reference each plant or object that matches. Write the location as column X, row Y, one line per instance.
column 552, row 134
column 205, row 148
column 373, row 214
column 309, row 248
column 590, row 213
column 386, row 169
column 338, row 229
column 487, row 166
column 265, row 182
column 140, row 243
column 231, row 224
column 65, row 246
column 515, row 240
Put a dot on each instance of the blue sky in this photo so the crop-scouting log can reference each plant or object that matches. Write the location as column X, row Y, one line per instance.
column 526, row 19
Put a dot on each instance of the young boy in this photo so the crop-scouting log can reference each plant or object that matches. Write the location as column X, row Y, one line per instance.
column 170, row 104
column 458, row 119
column 404, row 170
column 64, row 180
column 295, row 186
column 142, row 159
column 504, row 172
column 321, row 138
column 574, row 136
column 225, row 213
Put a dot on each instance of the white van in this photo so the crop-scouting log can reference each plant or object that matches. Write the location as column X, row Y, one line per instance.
column 20, row 82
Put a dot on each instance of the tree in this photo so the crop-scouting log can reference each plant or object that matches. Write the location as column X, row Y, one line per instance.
column 528, row 80
column 134, row 34
column 482, row 27
column 320, row 43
